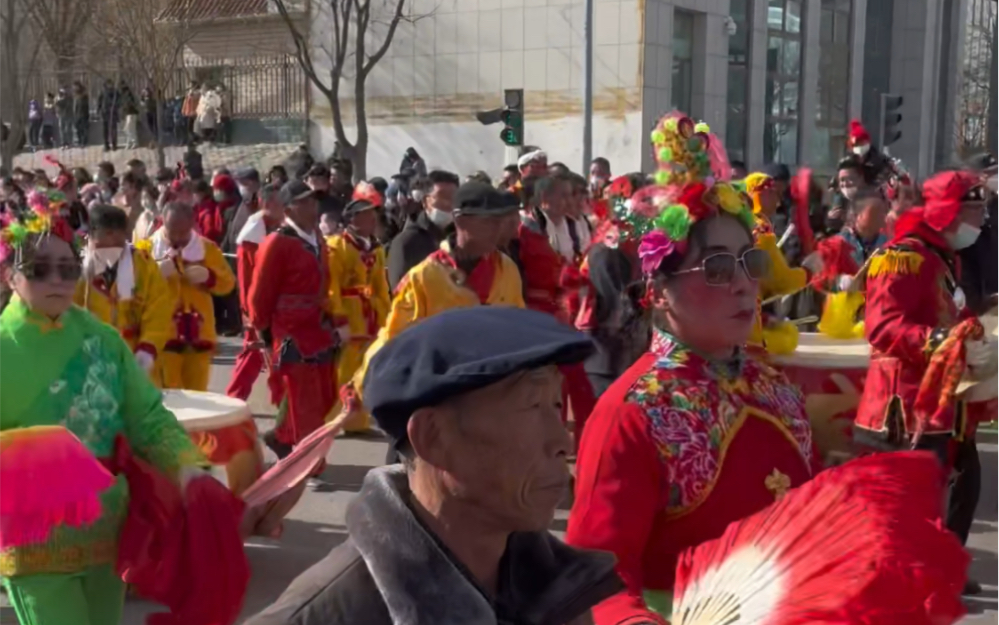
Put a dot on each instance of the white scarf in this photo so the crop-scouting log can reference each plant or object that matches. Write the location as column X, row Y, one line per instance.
column 124, row 279
column 193, row 252
column 310, row 237
column 254, row 230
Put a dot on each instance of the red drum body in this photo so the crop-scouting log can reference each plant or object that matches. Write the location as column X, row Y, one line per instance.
column 830, row 374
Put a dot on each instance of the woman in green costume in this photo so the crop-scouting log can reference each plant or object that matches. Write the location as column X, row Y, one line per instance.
column 61, row 366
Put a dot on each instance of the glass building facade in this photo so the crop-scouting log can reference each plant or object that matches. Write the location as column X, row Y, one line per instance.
column 783, row 86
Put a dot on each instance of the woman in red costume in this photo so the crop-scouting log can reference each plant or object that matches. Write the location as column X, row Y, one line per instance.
column 695, row 434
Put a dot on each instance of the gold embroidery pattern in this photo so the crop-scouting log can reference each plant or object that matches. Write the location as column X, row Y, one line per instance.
column 778, row 484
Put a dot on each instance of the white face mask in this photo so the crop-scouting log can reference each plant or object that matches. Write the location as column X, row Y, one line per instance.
column 965, row 236
column 849, row 192
column 992, row 183
column 441, row 219
column 104, row 257
column 245, row 193
column 861, row 150
column 219, row 196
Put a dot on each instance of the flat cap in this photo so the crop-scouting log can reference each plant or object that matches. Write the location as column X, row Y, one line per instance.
column 479, row 198
column 247, row 173
column 357, row 206
column 459, row 351
column 318, row 170
column 293, row 191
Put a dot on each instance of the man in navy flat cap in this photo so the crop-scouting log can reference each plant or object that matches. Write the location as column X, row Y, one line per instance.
column 458, row 534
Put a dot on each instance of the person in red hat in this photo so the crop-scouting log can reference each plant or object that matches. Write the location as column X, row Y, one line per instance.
column 923, row 339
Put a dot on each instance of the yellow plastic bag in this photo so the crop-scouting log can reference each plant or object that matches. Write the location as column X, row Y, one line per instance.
column 781, row 339
column 839, row 316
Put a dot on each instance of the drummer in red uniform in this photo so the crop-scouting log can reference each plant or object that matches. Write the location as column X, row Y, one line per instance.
column 290, row 310
column 696, row 434
column 914, row 313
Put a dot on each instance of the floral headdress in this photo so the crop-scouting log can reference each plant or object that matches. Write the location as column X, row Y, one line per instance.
column 365, row 191
column 42, row 218
column 691, row 184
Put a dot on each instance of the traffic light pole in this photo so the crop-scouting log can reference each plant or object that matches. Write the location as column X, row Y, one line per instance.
column 587, row 86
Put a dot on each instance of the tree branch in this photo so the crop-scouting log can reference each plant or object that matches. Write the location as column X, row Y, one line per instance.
column 397, row 16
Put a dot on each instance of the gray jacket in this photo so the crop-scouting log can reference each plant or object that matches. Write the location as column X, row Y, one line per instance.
column 393, row 571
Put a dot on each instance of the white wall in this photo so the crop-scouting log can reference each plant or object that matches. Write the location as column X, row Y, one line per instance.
column 445, row 67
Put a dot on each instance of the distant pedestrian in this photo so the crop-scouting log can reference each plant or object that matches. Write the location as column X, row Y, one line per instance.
column 81, row 114
column 109, row 108
column 64, row 112
column 189, row 109
column 49, row 121
column 34, row 125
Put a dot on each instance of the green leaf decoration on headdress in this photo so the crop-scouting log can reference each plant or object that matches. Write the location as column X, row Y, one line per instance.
column 16, row 233
column 674, row 221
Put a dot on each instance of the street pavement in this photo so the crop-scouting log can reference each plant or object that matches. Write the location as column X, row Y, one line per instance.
column 316, row 525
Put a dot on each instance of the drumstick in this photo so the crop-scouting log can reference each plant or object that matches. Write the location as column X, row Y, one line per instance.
column 804, row 320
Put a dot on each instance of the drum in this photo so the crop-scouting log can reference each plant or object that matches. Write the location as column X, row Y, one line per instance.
column 830, row 373
column 200, row 411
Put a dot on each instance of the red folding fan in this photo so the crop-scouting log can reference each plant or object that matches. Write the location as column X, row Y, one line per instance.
column 861, row 543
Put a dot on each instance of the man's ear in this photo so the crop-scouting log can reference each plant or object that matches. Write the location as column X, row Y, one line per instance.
column 426, row 435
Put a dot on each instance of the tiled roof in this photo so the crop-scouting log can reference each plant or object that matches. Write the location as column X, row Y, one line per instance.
column 192, row 10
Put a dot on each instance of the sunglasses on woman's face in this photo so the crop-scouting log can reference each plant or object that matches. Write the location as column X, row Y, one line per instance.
column 42, row 271
column 719, row 269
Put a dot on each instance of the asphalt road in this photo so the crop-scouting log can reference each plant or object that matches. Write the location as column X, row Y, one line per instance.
column 316, row 525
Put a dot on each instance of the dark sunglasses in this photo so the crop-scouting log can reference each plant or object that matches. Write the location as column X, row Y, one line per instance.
column 719, row 269
column 40, row 272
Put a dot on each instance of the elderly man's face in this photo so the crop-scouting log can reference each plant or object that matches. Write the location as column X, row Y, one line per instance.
column 500, row 451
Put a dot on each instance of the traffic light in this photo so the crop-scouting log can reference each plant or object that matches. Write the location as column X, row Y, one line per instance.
column 513, row 117
column 891, row 119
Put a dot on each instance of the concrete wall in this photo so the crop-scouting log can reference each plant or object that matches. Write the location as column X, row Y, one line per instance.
column 459, row 59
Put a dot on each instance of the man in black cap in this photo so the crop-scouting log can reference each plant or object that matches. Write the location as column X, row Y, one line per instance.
column 978, row 278
column 359, row 291
column 318, row 177
column 289, row 309
column 423, row 232
column 458, row 534
column 467, row 270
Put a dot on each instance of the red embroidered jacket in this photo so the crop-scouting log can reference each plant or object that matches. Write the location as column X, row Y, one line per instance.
column 289, row 293
column 675, row 450
column 910, row 306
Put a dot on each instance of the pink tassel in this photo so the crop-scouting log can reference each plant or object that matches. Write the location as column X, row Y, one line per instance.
column 49, row 480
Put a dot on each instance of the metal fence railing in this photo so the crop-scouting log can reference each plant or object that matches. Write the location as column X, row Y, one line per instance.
column 257, row 87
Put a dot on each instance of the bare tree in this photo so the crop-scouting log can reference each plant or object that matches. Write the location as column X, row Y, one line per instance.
column 14, row 16
column 146, row 39
column 974, row 101
column 349, row 59
column 61, row 23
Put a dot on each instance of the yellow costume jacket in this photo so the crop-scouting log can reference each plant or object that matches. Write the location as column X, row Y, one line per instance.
column 359, row 290
column 192, row 310
column 783, row 279
column 436, row 285
column 137, row 304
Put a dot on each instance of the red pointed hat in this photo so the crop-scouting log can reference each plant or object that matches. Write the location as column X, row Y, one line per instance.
column 944, row 193
column 857, row 134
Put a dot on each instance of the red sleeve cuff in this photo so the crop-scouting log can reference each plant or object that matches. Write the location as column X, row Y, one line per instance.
column 146, row 347
column 210, row 282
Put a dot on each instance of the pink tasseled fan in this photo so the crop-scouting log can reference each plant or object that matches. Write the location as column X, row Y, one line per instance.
column 295, row 468
column 49, row 479
column 860, row 543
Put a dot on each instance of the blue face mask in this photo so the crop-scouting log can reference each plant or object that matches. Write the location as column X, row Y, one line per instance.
column 965, row 236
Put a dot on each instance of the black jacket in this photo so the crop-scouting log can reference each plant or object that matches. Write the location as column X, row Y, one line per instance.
column 979, row 265
column 419, row 239
column 393, row 571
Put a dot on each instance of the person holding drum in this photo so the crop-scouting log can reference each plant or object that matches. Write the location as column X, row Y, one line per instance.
column 60, row 365
column 123, row 287
column 697, row 433
column 923, row 341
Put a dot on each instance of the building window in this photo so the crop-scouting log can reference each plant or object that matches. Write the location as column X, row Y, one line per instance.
column 738, row 96
column 782, row 96
column 683, row 60
column 833, row 101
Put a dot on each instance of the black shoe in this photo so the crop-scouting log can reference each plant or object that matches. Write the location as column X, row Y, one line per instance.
column 281, row 450
column 971, row 588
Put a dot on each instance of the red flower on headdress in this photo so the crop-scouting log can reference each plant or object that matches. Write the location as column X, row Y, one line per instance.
column 367, row 192
column 619, row 187
column 692, row 197
column 61, row 228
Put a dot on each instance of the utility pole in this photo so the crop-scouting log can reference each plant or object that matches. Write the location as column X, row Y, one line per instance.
column 993, row 127
column 587, row 86
column 6, row 65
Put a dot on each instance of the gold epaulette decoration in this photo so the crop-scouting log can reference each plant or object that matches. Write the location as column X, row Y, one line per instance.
column 895, row 262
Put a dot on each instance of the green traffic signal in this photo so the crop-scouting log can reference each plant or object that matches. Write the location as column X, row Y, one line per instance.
column 513, row 131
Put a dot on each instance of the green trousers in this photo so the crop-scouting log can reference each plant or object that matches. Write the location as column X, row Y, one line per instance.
column 94, row 596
